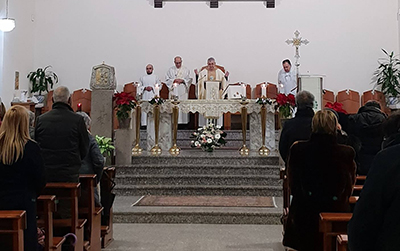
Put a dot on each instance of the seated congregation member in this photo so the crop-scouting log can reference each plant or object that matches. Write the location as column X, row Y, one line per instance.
column 299, row 127
column 375, row 222
column 22, row 172
column 366, row 128
column 321, row 176
column 63, row 138
column 93, row 163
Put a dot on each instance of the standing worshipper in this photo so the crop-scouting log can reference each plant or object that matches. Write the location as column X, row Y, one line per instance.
column 22, row 172
column 210, row 73
column 178, row 77
column 147, row 88
column 287, row 79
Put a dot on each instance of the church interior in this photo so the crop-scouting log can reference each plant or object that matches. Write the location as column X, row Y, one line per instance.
column 230, row 198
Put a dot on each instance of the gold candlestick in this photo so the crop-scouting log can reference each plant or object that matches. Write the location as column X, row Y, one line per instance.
column 263, row 149
column 175, row 150
column 244, row 150
column 136, row 149
column 156, row 115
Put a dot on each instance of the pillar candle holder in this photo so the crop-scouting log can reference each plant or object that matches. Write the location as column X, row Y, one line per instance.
column 263, row 149
column 244, row 150
column 156, row 115
column 136, row 149
column 175, row 150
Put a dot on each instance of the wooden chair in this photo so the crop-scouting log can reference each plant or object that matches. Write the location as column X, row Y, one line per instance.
column 83, row 97
column 49, row 102
column 45, row 207
column 12, row 226
column 107, row 185
column 69, row 192
column 350, row 100
column 131, row 88
column 342, row 242
column 228, row 115
column 87, row 210
column 164, row 92
column 272, row 90
column 331, row 225
column 328, row 96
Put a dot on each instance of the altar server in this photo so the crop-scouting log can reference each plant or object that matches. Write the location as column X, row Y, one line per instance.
column 150, row 85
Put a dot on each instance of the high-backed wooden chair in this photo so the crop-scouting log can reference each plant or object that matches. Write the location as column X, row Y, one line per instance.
column 131, row 88
column 164, row 92
column 272, row 90
column 377, row 96
column 48, row 102
column 350, row 100
column 328, row 96
column 83, row 97
column 218, row 66
column 12, row 226
column 228, row 115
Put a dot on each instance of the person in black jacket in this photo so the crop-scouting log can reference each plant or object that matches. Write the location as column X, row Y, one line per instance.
column 299, row 127
column 375, row 222
column 63, row 138
column 22, row 172
column 365, row 128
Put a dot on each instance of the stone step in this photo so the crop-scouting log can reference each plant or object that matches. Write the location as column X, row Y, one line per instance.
column 214, row 180
column 197, row 169
column 186, row 190
column 124, row 212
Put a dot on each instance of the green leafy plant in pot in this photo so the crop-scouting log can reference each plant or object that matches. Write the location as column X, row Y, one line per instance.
column 41, row 79
column 387, row 77
column 106, row 147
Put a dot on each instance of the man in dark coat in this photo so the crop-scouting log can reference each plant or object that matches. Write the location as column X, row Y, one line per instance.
column 63, row 138
column 299, row 127
column 375, row 222
column 366, row 128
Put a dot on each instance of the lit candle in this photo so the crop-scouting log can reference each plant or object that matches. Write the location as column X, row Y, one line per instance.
column 157, row 90
column 175, row 89
column 79, row 107
column 263, row 90
column 244, row 90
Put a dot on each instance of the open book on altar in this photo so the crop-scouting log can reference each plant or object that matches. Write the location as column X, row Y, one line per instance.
column 212, row 89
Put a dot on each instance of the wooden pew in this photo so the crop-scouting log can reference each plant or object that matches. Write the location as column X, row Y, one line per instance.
column 331, row 225
column 107, row 184
column 360, row 179
column 88, row 210
column 341, row 242
column 70, row 192
column 357, row 190
column 45, row 207
column 12, row 226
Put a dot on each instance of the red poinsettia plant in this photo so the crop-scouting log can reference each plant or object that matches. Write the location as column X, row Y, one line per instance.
column 125, row 103
column 285, row 104
column 336, row 106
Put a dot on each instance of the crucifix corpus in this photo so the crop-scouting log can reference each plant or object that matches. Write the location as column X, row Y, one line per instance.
column 297, row 41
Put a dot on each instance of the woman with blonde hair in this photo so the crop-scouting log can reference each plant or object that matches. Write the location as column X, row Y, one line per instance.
column 22, row 171
column 321, row 176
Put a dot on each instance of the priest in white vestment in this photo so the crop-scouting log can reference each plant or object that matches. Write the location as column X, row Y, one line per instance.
column 178, row 81
column 287, row 79
column 150, row 85
column 210, row 73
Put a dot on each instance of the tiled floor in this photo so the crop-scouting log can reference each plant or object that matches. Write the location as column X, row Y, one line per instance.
column 195, row 237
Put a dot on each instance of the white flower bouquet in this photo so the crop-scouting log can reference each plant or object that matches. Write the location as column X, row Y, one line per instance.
column 208, row 137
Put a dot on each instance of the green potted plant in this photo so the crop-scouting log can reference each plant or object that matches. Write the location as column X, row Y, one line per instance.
column 41, row 79
column 387, row 77
column 106, row 147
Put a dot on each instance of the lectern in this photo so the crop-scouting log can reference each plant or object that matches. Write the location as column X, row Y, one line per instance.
column 313, row 84
column 212, row 90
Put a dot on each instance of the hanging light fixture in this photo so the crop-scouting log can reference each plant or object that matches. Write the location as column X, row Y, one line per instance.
column 7, row 24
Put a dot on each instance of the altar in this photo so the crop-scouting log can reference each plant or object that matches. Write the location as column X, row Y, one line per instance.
column 211, row 109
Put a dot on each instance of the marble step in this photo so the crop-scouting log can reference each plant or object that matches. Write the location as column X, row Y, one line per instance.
column 214, row 180
column 124, row 212
column 181, row 190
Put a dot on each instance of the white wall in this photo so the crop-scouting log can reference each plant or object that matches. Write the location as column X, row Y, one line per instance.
column 16, row 48
column 247, row 38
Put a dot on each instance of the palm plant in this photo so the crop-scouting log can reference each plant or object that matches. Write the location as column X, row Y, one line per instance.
column 388, row 74
column 41, row 79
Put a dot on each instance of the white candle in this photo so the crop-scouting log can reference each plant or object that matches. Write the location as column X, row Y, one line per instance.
column 157, row 90
column 175, row 89
column 244, row 90
column 263, row 90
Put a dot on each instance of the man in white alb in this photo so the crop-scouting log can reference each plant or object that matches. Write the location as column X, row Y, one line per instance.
column 178, row 81
column 147, row 88
column 210, row 73
column 287, row 79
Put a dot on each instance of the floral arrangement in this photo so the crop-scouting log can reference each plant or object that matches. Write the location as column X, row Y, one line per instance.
column 125, row 103
column 264, row 101
column 338, row 107
column 157, row 101
column 285, row 104
column 208, row 137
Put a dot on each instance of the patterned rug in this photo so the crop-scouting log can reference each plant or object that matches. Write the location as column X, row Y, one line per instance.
column 207, row 201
